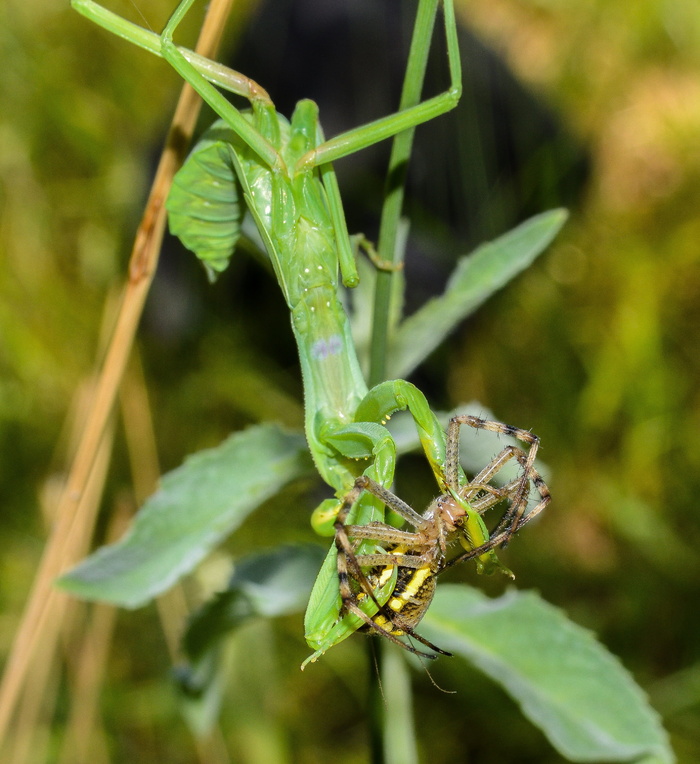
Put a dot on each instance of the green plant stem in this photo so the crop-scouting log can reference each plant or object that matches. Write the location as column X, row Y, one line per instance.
column 400, row 745
column 394, row 193
column 375, row 703
column 387, row 249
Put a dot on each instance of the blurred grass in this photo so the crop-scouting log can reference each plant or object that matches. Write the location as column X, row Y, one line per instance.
column 596, row 348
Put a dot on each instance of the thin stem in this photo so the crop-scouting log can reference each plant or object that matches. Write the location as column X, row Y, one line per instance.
column 396, row 175
column 387, row 250
column 375, row 702
column 399, row 728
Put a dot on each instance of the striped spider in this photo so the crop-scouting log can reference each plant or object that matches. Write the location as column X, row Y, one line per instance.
column 421, row 554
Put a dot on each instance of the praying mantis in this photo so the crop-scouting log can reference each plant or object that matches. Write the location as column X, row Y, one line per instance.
column 281, row 172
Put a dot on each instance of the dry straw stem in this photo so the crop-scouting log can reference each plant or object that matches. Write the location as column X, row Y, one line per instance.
column 41, row 677
column 143, row 458
column 66, row 544
column 82, row 742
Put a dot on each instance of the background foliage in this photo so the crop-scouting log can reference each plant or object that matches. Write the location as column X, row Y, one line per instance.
column 594, row 348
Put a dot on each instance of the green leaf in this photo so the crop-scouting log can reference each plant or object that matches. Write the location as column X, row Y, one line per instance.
column 476, row 277
column 196, row 507
column 267, row 584
column 566, row 682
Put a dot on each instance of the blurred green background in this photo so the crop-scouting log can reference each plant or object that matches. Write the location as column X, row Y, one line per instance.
column 596, row 348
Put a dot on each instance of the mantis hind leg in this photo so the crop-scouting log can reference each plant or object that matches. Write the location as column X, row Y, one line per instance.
column 235, row 120
column 411, row 112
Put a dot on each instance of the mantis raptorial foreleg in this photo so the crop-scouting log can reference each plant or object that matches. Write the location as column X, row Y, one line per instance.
column 379, row 405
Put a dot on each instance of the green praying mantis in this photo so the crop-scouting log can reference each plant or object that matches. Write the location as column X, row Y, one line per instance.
column 280, row 171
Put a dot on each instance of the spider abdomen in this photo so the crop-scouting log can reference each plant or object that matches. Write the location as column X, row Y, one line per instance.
column 411, row 598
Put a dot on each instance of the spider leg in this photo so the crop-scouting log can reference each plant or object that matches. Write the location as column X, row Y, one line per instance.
column 355, row 610
column 364, row 483
column 481, row 483
column 495, row 495
column 412, row 561
column 349, row 599
column 501, row 534
column 515, row 517
column 383, row 533
column 349, row 561
column 519, row 503
column 496, row 464
column 346, row 553
column 409, row 632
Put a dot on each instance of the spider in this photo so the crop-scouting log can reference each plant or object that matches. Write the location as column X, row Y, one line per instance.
column 421, row 554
